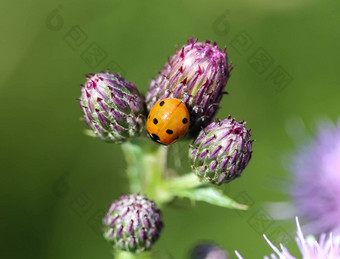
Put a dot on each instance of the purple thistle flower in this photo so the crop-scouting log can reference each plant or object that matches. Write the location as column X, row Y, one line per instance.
column 133, row 223
column 197, row 75
column 221, row 151
column 113, row 108
column 208, row 251
column 328, row 247
column 315, row 188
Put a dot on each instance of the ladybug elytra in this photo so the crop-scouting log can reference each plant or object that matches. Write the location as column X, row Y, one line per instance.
column 168, row 121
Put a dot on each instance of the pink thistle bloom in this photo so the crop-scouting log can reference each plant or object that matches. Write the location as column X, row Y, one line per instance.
column 328, row 247
column 315, row 188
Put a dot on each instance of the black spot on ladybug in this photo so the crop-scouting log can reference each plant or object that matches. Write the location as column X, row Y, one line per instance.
column 155, row 121
column 169, row 131
column 185, row 120
column 155, row 137
column 177, row 137
column 161, row 103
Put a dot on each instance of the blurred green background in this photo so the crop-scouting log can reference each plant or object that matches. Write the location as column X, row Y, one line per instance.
column 56, row 182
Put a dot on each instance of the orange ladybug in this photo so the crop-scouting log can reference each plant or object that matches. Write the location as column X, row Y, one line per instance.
column 168, row 121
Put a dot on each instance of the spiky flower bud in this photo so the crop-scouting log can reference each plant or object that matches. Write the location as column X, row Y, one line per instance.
column 113, row 108
column 208, row 251
column 133, row 223
column 221, row 151
column 197, row 75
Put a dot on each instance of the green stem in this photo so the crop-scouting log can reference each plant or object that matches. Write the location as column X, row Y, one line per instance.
column 155, row 164
column 147, row 164
column 132, row 153
column 128, row 255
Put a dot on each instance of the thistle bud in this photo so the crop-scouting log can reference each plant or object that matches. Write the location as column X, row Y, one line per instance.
column 113, row 108
column 133, row 223
column 208, row 251
column 197, row 75
column 221, row 151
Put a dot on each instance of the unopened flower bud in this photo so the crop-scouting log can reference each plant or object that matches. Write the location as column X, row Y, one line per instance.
column 197, row 75
column 221, row 151
column 133, row 223
column 113, row 108
column 208, row 251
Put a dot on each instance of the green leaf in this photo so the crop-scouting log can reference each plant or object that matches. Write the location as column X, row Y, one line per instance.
column 210, row 195
column 187, row 181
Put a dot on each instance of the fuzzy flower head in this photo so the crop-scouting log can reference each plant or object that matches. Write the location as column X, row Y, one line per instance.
column 328, row 247
column 197, row 75
column 315, row 189
column 112, row 107
column 133, row 223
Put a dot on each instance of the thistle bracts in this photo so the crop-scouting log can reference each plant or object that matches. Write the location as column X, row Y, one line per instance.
column 133, row 223
column 113, row 108
column 221, row 151
column 197, row 75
